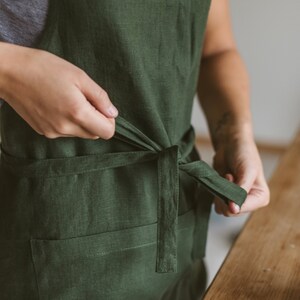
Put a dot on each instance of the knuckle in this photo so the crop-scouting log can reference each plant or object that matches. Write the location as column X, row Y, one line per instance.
column 51, row 135
column 107, row 135
column 219, row 207
column 227, row 214
column 76, row 113
column 39, row 131
column 266, row 200
column 94, row 137
column 102, row 94
column 81, row 74
column 61, row 128
column 109, row 132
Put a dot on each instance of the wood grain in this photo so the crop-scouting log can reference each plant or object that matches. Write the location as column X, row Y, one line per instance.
column 264, row 262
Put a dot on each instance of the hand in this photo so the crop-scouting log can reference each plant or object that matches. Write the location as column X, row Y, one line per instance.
column 56, row 98
column 238, row 161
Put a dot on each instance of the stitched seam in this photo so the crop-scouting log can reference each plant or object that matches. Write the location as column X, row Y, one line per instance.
column 121, row 249
column 35, row 271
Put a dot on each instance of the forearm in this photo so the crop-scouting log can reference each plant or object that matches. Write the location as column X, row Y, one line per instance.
column 4, row 48
column 55, row 97
column 8, row 62
column 12, row 59
column 223, row 91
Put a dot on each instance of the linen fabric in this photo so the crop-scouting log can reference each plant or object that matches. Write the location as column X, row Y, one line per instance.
column 124, row 218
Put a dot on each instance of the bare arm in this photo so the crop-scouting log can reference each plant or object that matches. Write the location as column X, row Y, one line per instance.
column 223, row 90
column 56, row 98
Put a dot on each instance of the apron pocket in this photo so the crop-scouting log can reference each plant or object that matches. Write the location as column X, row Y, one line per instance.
column 107, row 265
column 61, row 198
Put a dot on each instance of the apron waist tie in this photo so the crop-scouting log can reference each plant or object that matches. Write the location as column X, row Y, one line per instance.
column 169, row 164
column 170, row 161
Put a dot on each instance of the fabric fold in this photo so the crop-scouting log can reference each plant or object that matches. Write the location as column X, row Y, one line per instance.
column 170, row 161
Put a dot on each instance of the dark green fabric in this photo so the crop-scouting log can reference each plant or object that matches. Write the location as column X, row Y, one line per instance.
column 123, row 218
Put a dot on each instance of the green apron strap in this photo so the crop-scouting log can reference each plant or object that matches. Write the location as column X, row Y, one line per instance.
column 128, row 133
column 167, row 210
column 169, row 159
column 73, row 165
column 169, row 163
column 216, row 184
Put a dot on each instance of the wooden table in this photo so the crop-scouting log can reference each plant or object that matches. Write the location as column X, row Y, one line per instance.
column 264, row 262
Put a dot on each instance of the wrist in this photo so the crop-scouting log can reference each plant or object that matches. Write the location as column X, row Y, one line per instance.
column 12, row 57
column 5, row 49
column 230, row 129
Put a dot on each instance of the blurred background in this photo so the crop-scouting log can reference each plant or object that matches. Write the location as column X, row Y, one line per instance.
column 268, row 36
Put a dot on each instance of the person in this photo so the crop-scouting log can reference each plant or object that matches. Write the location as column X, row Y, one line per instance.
column 103, row 193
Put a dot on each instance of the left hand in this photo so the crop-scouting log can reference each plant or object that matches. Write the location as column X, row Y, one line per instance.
column 238, row 160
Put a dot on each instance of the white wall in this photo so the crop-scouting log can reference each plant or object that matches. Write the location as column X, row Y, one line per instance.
column 268, row 36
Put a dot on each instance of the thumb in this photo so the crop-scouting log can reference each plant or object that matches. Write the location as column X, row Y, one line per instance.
column 245, row 181
column 233, row 207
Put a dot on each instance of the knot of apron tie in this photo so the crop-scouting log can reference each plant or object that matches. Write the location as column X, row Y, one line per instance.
column 170, row 160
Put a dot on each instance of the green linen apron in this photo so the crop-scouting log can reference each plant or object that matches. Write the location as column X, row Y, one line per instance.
column 123, row 218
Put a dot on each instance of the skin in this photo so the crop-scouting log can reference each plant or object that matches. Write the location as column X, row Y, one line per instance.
column 72, row 104
column 223, row 90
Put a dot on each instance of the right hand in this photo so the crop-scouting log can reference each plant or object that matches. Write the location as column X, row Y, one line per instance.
column 56, row 98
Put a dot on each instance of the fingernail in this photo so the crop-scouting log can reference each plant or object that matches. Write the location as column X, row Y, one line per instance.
column 236, row 208
column 113, row 111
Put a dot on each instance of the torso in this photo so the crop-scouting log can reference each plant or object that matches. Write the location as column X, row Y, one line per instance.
column 83, row 215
